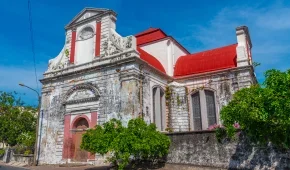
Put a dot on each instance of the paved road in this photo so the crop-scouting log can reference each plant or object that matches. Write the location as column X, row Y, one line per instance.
column 2, row 167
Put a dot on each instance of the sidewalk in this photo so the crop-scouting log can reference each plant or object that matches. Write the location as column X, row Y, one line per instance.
column 166, row 167
column 12, row 166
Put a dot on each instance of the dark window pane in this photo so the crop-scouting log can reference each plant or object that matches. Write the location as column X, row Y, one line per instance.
column 210, row 105
column 196, row 112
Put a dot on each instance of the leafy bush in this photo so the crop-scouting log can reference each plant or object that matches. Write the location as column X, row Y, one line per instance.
column 138, row 141
column 27, row 152
column 2, row 152
column 27, row 139
column 223, row 132
column 262, row 112
column 15, row 118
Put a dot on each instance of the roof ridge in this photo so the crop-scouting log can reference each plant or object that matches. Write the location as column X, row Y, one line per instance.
column 211, row 49
column 147, row 31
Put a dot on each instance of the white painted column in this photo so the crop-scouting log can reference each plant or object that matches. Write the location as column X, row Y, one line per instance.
column 169, row 58
column 157, row 108
column 203, row 110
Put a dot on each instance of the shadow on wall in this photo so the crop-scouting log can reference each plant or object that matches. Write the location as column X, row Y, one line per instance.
column 250, row 156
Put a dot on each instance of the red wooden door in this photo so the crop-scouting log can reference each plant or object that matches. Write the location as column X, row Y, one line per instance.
column 79, row 154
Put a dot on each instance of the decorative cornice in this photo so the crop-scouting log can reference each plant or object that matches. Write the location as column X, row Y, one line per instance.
column 82, row 100
column 99, row 63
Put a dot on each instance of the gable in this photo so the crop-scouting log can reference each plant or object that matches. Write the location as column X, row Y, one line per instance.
column 85, row 14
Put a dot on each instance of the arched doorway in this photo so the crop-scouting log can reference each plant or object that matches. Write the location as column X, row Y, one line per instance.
column 79, row 128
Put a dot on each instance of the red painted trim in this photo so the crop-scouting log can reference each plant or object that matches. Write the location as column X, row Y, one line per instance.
column 77, row 118
column 66, row 136
column 98, row 40
column 73, row 46
column 94, row 117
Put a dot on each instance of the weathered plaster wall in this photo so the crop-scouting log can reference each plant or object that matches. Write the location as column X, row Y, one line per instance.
column 203, row 149
column 179, row 117
column 119, row 98
column 223, row 84
column 152, row 79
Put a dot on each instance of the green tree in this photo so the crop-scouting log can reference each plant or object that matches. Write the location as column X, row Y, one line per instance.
column 263, row 112
column 138, row 141
column 16, row 120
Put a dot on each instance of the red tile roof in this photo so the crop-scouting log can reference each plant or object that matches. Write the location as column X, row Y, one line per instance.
column 152, row 34
column 206, row 61
column 147, row 31
column 150, row 60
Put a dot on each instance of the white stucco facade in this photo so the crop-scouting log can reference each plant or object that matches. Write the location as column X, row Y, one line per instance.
column 101, row 75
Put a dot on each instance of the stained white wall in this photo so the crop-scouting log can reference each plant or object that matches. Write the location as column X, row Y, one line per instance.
column 159, row 51
column 167, row 52
column 177, row 52
column 85, row 49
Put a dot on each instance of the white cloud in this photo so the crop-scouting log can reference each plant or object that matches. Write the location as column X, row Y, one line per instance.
column 268, row 28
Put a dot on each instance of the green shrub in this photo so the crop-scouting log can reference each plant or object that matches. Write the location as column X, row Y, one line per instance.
column 262, row 112
column 27, row 152
column 138, row 141
column 27, row 139
column 2, row 152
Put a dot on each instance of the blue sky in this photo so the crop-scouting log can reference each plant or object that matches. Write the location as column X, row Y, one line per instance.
column 198, row 25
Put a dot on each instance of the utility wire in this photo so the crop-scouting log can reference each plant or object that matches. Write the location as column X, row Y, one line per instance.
column 32, row 41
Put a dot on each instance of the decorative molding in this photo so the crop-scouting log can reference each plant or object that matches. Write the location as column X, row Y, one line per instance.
column 115, row 44
column 86, row 33
column 80, row 95
column 82, row 100
column 99, row 63
column 59, row 62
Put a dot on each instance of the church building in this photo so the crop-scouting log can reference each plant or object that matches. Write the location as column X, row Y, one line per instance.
column 99, row 75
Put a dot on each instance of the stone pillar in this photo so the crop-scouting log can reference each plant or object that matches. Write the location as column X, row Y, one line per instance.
column 244, row 46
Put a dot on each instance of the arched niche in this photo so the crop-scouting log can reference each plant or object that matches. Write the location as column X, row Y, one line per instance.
column 81, row 97
column 85, row 45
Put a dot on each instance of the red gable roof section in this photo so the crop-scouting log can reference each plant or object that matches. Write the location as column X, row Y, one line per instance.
column 151, row 60
column 206, row 61
column 152, row 34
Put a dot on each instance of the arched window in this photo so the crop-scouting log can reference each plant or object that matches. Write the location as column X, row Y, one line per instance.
column 196, row 111
column 159, row 108
column 210, row 107
column 203, row 109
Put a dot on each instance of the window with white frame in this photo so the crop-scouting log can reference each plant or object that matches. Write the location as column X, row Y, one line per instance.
column 203, row 109
column 159, row 108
